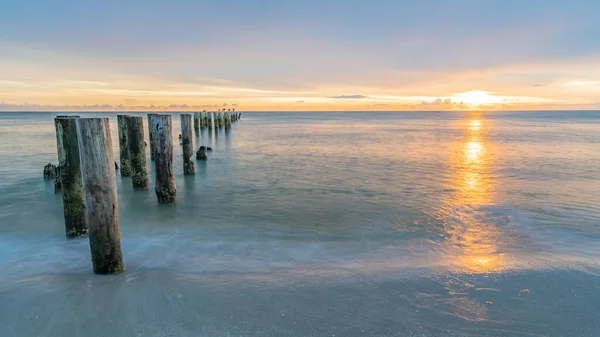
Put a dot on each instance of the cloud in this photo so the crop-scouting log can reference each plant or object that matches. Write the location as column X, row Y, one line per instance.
column 299, row 101
column 105, row 107
column 583, row 83
column 178, row 106
column 539, row 85
column 349, row 97
column 435, row 105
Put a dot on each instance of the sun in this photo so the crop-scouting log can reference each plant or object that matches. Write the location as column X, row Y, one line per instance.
column 477, row 97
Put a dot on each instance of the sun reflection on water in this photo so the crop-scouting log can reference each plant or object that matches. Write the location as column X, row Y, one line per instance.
column 472, row 240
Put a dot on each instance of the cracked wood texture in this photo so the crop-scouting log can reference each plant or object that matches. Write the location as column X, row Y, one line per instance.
column 100, row 190
column 123, row 147
column 162, row 133
column 70, row 176
column 187, row 142
column 137, row 151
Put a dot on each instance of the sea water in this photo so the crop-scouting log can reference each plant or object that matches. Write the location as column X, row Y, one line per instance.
column 321, row 224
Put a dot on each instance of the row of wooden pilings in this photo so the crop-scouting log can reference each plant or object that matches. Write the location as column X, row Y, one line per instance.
column 215, row 120
column 86, row 173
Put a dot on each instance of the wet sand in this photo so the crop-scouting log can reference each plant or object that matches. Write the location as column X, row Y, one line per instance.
column 160, row 302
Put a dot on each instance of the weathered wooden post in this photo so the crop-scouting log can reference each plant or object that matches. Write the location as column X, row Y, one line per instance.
column 123, row 147
column 137, row 151
column 204, row 120
column 69, row 170
column 228, row 119
column 196, row 121
column 150, row 140
column 100, row 189
column 187, row 141
column 60, row 152
column 201, row 153
column 210, row 117
column 166, row 188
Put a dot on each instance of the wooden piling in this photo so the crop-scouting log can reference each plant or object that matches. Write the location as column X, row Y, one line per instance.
column 162, row 133
column 150, row 140
column 137, row 151
column 196, row 121
column 228, row 119
column 187, row 141
column 69, row 170
column 100, row 189
column 60, row 151
column 123, row 147
column 211, row 117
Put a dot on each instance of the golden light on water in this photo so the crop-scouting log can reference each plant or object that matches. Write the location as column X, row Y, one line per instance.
column 472, row 241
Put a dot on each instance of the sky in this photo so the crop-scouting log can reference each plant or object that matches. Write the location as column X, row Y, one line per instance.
column 299, row 55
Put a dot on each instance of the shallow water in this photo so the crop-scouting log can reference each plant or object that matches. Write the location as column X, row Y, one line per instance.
column 323, row 223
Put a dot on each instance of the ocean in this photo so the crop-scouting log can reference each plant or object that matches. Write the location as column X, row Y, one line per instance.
column 322, row 224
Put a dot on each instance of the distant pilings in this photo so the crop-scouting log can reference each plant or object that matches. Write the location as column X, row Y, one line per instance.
column 69, row 174
column 220, row 118
column 162, row 133
column 137, row 151
column 197, row 121
column 187, row 142
column 100, row 190
column 123, row 147
column 227, row 117
column 204, row 120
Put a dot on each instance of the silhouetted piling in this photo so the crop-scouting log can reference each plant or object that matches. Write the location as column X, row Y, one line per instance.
column 201, row 153
column 196, row 121
column 137, row 151
column 69, row 170
column 50, row 171
column 187, row 142
column 123, row 147
column 100, row 189
column 162, row 133
column 211, row 117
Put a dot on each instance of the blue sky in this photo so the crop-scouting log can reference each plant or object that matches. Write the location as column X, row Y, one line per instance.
column 300, row 55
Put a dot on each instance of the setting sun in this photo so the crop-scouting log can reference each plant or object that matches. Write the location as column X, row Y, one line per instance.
column 477, row 97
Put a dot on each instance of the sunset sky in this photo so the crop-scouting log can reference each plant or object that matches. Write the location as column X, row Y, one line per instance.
column 300, row 55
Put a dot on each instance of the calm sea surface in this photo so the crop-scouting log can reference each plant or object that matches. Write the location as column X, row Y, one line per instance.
column 296, row 200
